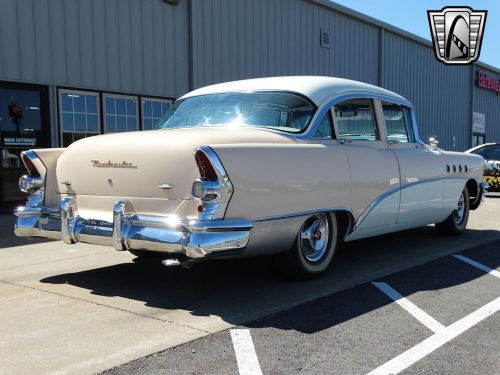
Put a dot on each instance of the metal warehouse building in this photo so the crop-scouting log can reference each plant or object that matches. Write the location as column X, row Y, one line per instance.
column 75, row 68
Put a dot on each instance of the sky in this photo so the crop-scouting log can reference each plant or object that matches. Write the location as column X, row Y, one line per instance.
column 412, row 17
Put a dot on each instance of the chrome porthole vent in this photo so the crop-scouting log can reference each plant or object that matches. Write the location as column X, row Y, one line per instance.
column 448, row 169
column 460, row 168
column 454, row 168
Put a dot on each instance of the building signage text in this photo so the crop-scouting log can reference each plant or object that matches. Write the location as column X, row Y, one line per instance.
column 19, row 141
column 487, row 83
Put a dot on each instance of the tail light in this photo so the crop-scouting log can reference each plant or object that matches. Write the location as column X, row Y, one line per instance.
column 29, row 166
column 207, row 171
column 213, row 188
column 34, row 180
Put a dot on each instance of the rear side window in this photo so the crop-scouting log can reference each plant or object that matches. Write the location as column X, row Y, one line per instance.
column 398, row 123
column 324, row 130
column 356, row 120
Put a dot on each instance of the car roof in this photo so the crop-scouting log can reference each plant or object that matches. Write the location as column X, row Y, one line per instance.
column 316, row 88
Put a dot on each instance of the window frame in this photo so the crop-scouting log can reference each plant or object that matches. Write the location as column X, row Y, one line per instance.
column 151, row 99
column 60, row 93
column 408, row 121
column 105, row 95
column 375, row 115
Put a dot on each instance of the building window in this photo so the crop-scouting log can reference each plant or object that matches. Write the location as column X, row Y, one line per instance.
column 152, row 111
column 120, row 113
column 79, row 115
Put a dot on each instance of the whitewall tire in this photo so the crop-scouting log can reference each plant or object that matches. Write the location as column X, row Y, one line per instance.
column 314, row 248
column 456, row 223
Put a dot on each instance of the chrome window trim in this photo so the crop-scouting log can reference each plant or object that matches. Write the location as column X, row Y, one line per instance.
column 380, row 120
column 413, row 118
column 340, row 97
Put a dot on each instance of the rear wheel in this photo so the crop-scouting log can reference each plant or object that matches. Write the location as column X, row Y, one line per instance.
column 456, row 223
column 313, row 249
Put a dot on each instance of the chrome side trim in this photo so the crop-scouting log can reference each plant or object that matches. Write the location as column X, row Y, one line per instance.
column 303, row 213
column 396, row 189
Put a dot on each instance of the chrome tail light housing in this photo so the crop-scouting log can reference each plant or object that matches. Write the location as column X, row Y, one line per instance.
column 214, row 188
column 35, row 179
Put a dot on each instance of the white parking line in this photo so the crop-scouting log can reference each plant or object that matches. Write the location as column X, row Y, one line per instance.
column 414, row 310
column 482, row 267
column 248, row 363
column 432, row 343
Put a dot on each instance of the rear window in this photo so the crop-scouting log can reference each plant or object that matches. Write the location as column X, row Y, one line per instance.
column 278, row 110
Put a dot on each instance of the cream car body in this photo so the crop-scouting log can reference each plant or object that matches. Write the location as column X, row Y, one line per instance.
column 133, row 191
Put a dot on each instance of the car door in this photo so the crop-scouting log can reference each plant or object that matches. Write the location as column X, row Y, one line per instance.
column 373, row 167
column 421, row 168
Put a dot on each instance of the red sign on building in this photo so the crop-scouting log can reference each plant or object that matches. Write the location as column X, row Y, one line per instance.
column 486, row 82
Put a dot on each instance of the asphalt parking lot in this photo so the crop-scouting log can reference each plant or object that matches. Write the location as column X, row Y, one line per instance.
column 402, row 301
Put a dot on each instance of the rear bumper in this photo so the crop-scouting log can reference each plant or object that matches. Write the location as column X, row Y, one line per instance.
column 132, row 231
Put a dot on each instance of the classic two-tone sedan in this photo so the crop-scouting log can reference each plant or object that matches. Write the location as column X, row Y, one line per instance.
column 290, row 166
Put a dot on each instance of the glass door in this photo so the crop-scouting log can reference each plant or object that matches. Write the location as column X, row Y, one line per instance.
column 24, row 124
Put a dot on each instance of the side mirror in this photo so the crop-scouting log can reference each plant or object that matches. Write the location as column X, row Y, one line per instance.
column 433, row 142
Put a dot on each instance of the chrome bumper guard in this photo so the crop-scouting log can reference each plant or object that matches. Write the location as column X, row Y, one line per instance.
column 166, row 234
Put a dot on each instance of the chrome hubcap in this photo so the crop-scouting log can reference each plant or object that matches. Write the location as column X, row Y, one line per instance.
column 314, row 237
column 459, row 212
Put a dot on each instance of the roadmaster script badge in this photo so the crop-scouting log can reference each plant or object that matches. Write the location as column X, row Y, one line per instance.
column 457, row 33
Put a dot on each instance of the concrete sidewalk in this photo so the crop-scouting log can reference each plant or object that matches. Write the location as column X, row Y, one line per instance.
column 84, row 308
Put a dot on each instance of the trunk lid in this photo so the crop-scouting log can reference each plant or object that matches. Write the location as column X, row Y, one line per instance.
column 149, row 164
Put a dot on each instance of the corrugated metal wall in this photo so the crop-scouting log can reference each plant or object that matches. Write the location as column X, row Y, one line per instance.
column 440, row 93
column 487, row 102
column 242, row 39
column 143, row 47
column 120, row 45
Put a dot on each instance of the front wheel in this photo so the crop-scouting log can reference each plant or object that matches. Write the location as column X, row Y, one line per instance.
column 313, row 249
column 456, row 223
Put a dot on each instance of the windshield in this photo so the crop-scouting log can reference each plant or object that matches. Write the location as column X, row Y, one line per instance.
column 271, row 109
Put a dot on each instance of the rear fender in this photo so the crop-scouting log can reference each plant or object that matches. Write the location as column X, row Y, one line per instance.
column 48, row 157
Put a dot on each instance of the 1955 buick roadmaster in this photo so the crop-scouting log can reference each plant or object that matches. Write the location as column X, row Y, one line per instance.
column 290, row 166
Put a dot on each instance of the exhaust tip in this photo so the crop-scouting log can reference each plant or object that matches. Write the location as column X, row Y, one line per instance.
column 171, row 262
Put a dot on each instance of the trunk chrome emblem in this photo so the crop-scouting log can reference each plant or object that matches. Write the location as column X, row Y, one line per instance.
column 165, row 186
column 111, row 164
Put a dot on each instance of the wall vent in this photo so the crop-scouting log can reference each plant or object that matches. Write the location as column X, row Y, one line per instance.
column 324, row 38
